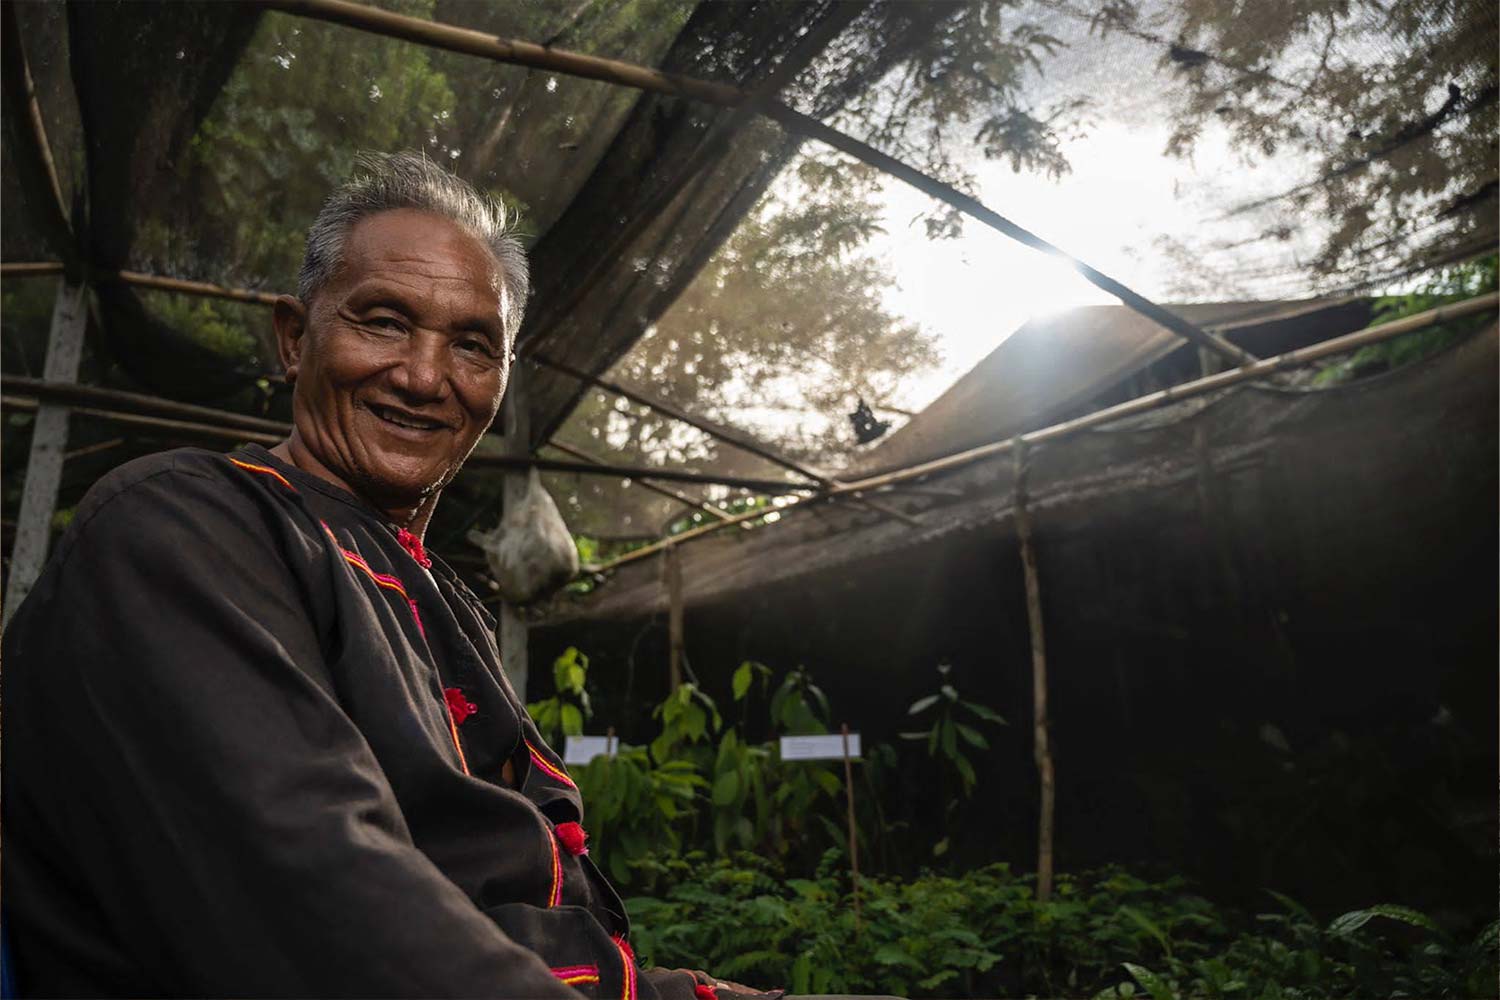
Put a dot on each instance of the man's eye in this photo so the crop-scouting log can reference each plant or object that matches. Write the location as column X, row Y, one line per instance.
column 390, row 323
column 476, row 346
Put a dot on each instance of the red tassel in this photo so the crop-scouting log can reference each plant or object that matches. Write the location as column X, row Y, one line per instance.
column 572, row 836
column 413, row 545
column 459, row 706
column 705, row 992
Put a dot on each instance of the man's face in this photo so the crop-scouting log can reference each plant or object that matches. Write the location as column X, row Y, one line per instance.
column 400, row 360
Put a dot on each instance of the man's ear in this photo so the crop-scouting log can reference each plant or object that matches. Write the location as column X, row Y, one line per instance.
column 289, row 318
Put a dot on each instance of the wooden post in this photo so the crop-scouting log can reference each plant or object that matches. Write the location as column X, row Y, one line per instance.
column 674, row 617
column 513, row 649
column 1042, row 747
column 49, row 440
column 853, row 831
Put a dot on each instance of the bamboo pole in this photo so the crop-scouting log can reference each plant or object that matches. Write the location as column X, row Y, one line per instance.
column 186, row 428
column 508, row 50
column 1142, row 404
column 1041, row 723
column 30, row 269
column 135, row 402
column 681, row 498
column 709, row 427
column 34, row 159
column 201, row 421
column 698, row 532
column 184, row 287
column 674, row 618
column 733, row 437
column 853, row 828
column 521, row 53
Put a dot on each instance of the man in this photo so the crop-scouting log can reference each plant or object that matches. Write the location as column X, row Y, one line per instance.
column 257, row 741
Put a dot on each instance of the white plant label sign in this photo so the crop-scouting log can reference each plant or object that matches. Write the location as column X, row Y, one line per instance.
column 582, row 749
column 829, row 747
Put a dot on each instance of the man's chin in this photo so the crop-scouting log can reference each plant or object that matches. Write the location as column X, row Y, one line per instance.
column 401, row 489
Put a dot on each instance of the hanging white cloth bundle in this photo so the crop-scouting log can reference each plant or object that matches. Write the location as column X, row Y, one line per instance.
column 531, row 552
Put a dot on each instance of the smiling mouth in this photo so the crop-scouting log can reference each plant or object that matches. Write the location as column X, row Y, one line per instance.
column 405, row 419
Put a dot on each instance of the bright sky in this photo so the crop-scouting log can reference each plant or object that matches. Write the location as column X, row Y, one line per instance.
column 975, row 291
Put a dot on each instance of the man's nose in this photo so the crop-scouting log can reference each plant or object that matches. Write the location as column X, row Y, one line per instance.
column 422, row 374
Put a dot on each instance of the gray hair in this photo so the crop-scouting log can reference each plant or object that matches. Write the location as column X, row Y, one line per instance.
column 382, row 182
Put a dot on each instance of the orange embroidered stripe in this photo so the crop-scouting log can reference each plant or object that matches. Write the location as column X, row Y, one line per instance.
column 453, row 731
column 380, row 579
column 627, row 991
column 547, row 767
column 392, row 583
column 582, row 977
column 555, row 896
column 265, row 470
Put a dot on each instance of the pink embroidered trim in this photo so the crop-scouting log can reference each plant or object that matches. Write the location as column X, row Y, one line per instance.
column 413, row 545
column 547, row 767
column 265, row 470
column 627, row 956
column 573, row 975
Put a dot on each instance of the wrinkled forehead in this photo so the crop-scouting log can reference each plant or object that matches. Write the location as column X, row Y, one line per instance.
column 422, row 253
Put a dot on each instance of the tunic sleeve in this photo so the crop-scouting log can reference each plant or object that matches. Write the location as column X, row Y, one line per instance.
column 202, row 778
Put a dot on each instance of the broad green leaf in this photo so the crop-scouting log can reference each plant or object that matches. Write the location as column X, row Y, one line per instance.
column 572, row 721
column 744, row 675
column 984, row 713
column 1355, row 919
column 1154, row 984
column 726, row 788
column 965, row 770
column 972, row 736
column 923, row 704
column 1150, row 927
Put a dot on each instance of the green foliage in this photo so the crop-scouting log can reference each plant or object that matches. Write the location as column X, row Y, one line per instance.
column 945, row 732
column 1105, row 933
column 1381, row 950
column 565, row 711
column 635, row 807
column 799, row 707
column 699, row 782
column 685, row 718
column 1452, row 284
column 222, row 327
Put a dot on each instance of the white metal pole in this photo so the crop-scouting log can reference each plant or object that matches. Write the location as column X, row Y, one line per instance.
column 49, row 439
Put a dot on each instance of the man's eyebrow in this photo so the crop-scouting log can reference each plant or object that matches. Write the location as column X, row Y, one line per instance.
column 374, row 296
column 487, row 325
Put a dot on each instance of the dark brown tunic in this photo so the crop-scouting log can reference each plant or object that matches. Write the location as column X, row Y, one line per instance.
column 231, row 766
